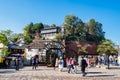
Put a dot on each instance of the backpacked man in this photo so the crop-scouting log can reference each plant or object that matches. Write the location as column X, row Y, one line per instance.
column 17, row 62
column 34, row 62
column 83, row 66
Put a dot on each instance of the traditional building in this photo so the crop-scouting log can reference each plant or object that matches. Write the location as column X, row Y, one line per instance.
column 34, row 48
column 50, row 33
column 43, row 49
column 16, row 50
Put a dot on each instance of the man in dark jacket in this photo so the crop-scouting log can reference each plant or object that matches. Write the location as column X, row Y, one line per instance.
column 34, row 64
column 17, row 62
column 83, row 66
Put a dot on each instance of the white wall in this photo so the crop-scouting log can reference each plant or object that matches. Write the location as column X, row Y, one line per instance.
column 30, row 53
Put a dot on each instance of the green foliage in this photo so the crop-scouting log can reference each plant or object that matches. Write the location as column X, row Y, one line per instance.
column 53, row 26
column 69, row 24
column 5, row 36
column 106, row 47
column 71, row 20
column 59, row 36
column 76, row 29
column 10, row 36
column 27, row 39
column 5, row 52
column 27, row 29
column 91, row 25
column 7, row 33
column 15, row 37
column 32, row 29
column 37, row 28
column 94, row 31
column 3, row 39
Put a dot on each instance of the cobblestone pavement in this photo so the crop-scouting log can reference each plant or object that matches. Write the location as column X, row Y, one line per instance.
column 48, row 73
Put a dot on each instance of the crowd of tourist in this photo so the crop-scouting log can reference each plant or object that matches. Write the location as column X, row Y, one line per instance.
column 98, row 61
column 87, row 61
column 72, row 63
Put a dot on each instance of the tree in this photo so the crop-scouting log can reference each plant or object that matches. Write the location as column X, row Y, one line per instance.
column 80, row 31
column 32, row 29
column 28, row 29
column 5, row 52
column 7, row 33
column 15, row 37
column 98, row 29
column 94, row 31
column 37, row 28
column 27, row 39
column 59, row 36
column 74, row 27
column 3, row 39
column 91, row 25
column 53, row 26
column 106, row 47
column 69, row 24
column 99, row 33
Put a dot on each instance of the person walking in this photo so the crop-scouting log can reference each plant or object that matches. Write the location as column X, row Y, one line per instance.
column 70, row 64
column 83, row 66
column 34, row 60
column 74, row 63
column 61, row 64
column 17, row 61
column 56, row 63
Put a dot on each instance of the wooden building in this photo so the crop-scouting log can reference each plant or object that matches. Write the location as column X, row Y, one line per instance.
column 50, row 33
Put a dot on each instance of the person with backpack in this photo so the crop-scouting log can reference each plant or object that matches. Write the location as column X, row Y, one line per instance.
column 34, row 64
column 83, row 66
column 17, row 63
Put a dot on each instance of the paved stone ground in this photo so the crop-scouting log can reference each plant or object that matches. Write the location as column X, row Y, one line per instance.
column 48, row 73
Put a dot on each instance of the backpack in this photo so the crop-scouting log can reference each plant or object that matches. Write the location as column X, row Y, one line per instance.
column 84, row 63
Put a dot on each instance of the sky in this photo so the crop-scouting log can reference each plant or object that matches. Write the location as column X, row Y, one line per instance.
column 16, row 14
